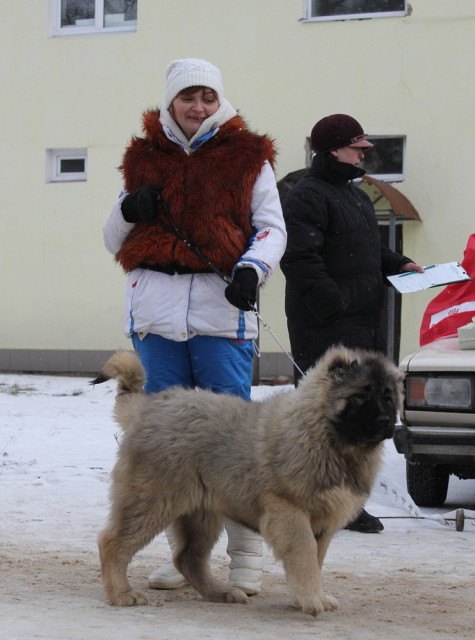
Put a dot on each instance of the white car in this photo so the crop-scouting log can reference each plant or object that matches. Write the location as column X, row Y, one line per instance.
column 437, row 434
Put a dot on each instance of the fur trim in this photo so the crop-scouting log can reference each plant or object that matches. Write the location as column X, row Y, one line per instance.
column 208, row 192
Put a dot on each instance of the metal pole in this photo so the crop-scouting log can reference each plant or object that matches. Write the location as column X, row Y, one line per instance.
column 391, row 292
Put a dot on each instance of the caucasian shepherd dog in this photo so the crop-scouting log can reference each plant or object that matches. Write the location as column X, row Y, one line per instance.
column 296, row 467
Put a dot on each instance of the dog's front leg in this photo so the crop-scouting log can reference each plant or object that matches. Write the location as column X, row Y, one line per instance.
column 323, row 542
column 196, row 534
column 287, row 529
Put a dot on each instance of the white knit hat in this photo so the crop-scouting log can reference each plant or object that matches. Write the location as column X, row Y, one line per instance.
column 191, row 72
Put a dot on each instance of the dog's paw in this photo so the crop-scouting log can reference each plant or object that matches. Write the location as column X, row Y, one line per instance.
column 234, row 594
column 127, row 599
column 313, row 606
column 329, row 603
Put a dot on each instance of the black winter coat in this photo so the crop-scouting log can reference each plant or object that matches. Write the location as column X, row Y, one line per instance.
column 334, row 264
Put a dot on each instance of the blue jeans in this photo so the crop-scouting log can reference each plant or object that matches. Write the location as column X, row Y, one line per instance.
column 219, row 364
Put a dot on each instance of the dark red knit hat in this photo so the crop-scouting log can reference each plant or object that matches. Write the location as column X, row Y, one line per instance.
column 336, row 131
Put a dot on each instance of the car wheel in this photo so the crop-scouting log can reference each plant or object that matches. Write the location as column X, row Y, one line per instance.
column 427, row 484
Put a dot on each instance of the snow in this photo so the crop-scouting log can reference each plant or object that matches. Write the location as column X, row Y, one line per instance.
column 58, row 444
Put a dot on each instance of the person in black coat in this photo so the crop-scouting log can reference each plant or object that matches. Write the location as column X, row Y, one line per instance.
column 334, row 264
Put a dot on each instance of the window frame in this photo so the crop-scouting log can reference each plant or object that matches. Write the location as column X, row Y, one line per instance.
column 56, row 30
column 388, row 177
column 307, row 14
column 384, row 177
column 53, row 165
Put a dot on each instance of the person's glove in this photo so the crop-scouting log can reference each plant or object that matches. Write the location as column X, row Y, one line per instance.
column 141, row 205
column 242, row 292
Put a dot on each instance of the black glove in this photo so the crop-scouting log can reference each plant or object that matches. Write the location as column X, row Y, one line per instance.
column 141, row 205
column 242, row 291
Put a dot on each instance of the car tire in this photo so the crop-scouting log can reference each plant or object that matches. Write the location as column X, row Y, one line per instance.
column 427, row 484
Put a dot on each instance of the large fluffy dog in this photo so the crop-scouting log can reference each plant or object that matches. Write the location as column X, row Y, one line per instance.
column 296, row 467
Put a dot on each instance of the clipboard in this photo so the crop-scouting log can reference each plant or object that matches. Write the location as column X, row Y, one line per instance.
column 435, row 275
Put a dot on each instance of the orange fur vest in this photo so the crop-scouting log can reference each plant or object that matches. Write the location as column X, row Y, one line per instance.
column 208, row 193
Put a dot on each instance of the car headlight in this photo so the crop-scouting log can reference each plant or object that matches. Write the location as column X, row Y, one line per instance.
column 439, row 392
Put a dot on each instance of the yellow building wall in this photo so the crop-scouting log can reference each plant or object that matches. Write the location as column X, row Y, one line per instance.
column 414, row 75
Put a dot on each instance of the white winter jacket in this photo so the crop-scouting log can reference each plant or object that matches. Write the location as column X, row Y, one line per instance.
column 178, row 307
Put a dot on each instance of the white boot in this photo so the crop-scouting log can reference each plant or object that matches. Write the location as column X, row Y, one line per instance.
column 245, row 548
column 167, row 577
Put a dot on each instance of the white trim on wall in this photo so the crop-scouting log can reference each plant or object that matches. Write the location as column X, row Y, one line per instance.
column 100, row 22
column 386, row 160
column 66, row 165
column 325, row 10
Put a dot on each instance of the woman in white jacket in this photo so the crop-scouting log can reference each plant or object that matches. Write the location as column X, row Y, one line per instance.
column 198, row 229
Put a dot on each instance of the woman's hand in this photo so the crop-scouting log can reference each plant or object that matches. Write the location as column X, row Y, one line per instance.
column 141, row 205
column 411, row 266
column 242, row 292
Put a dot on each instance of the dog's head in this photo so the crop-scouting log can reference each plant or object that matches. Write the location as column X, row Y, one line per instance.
column 362, row 395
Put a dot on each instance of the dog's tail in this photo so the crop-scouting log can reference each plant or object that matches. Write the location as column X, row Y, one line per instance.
column 127, row 369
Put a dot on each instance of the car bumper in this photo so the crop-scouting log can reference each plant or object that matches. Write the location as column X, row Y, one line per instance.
column 443, row 443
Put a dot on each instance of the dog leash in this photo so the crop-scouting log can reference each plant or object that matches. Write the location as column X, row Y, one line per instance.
column 173, row 228
column 269, row 330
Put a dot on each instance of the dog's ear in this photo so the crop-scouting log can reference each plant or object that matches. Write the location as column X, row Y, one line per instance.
column 341, row 367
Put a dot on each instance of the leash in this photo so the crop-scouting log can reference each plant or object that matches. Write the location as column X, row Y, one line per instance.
column 269, row 330
column 173, row 228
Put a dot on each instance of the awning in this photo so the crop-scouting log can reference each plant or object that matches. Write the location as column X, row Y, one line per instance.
column 287, row 182
column 386, row 199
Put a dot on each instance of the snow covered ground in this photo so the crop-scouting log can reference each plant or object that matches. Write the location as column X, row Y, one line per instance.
column 57, row 447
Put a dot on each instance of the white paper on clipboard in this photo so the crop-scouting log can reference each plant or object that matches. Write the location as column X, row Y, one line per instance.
column 436, row 275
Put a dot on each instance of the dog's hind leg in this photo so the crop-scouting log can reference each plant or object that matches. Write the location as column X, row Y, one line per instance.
column 287, row 529
column 195, row 536
column 129, row 530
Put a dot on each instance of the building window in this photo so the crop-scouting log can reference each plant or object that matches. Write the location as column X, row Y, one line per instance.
column 66, row 165
column 386, row 160
column 82, row 17
column 318, row 10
